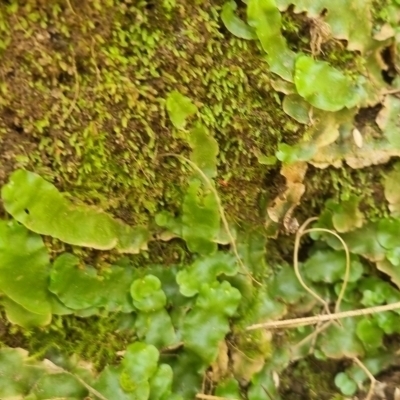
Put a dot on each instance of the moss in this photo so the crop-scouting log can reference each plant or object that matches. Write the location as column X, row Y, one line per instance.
column 85, row 107
column 339, row 184
column 309, row 379
column 73, row 335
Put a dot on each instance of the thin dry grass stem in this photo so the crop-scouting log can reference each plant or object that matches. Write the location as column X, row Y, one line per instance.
column 208, row 182
column 82, row 382
column 88, row 387
column 370, row 376
column 210, row 397
column 70, row 7
column 296, row 322
column 311, row 336
column 318, row 318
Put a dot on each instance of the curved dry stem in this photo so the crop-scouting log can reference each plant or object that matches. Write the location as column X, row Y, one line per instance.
column 347, row 270
column 302, row 231
column 224, row 220
column 297, row 240
column 370, row 376
column 70, row 7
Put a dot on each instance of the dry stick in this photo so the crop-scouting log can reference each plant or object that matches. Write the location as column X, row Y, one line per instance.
column 370, row 376
column 302, row 231
column 70, row 7
column 220, row 209
column 210, row 397
column 298, row 237
column 324, row 326
column 295, row 322
column 81, row 381
column 311, row 336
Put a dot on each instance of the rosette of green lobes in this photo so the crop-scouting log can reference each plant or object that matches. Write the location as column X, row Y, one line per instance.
column 205, row 270
column 39, row 206
column 24, row 274
column 147, row 294
column 139, row 377
column 153, row 323
column 206, row 325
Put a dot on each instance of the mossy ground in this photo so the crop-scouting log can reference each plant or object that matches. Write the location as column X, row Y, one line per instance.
column 310, row 379
column 83, row 87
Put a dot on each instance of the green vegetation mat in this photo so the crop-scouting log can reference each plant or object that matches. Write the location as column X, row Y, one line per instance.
column 179, row 178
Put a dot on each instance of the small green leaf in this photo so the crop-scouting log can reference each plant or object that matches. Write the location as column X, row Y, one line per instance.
column 139, row 365
column 388, row 233
column 188, row 371
column 179, row 108
column 291, row 154
column 329, row 266
column 388, row 321
column 147, row 294
column 391, row 182
column 388, row 268
column 200, row 219
column 346, row 385
column 263, row 386
column 108, row 384
column 204, row 271
column 286, row 286
column 375, row 291
column 59, row 385
column 155, row 328
column 341, row 341
column 297, row 108
column 206, row 325
column 204, row 150
column 323, row 86
column 161, row 383
column 19, row 315
column 266, row 160
column 362, row 241
column 228, row 389
column 393, row 255
column 13, row 364
column 24, row 269
column 370, row 334
column 346, row 215
column 234, row 24
column 219, row 298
